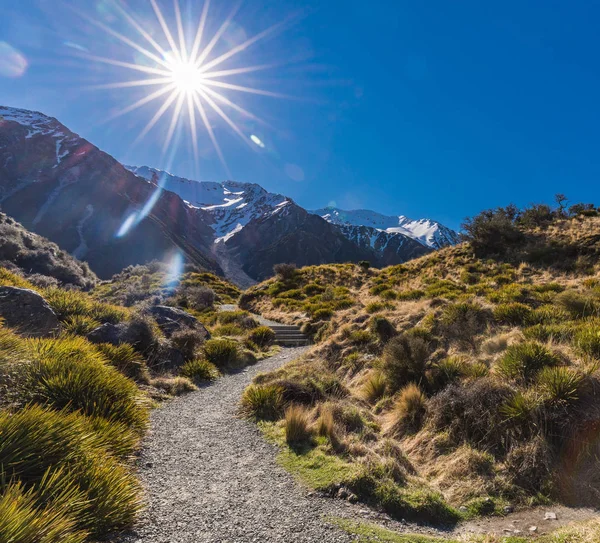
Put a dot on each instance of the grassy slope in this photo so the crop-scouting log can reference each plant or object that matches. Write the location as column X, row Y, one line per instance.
column 72, row 413
column 505, row 353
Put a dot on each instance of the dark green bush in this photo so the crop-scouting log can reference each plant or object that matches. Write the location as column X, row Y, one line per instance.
column 221, row 352
column 382, row 328
column 404, row 359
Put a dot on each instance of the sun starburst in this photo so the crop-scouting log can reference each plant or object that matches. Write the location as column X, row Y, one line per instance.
column 188, row 78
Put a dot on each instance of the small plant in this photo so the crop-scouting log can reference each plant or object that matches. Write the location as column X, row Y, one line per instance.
column 364, row 265
column 447, row 371
column 560, row 385
column 221, row 352
column 297, row 425
column 199, row 370
column 124, row 357
column 228, row 330
column 577, row 304
column 360, row 337
column 263, row 336
column 514, row 313
column 374, row 387
column 80, row 325
column 587, row 340
column 462, row 322
column 409, row 410
column 524, row 360
column 174, row 386
column 263, row 402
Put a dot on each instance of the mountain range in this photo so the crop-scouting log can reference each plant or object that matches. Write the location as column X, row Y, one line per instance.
column 61, row 186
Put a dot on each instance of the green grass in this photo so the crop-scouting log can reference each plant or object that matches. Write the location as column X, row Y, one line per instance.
column 312, row 465
column 370, row 533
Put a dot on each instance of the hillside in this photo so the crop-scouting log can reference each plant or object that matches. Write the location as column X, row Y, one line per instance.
column 39, row 259
column 458, row 384
column 60, row 186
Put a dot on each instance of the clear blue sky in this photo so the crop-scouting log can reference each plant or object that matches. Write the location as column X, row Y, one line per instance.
column 436, row 109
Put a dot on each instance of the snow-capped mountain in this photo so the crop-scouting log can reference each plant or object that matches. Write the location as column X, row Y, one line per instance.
column 231, row 204
column 59, row 185
column 429, row 233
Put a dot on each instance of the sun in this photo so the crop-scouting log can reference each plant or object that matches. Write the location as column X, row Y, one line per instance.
column 190, row 80
column 186, row 77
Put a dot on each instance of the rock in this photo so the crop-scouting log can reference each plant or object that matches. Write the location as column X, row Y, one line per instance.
column 173, row 319
column 508, row 509
column 107, row 333
column 342, row 493
column 550, row 515
column 352, row 498
column 462, row 509
column 27, row 312
column 533, row 529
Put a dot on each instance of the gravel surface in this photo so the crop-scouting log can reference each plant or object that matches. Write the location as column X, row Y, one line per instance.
column 210, row 476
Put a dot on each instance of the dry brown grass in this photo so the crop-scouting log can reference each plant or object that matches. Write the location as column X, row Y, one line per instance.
column 297, row 425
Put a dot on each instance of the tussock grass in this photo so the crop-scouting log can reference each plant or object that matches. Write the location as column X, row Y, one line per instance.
column 262, row 402
column 297, row 425
column 524, row 360
column 263, row 336
column 409, row 410
column 71, row 374
column 199, row 371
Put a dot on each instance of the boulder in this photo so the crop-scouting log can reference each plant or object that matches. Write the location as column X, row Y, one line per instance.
column 173, row 319
column 107, row 333
column 27, row 312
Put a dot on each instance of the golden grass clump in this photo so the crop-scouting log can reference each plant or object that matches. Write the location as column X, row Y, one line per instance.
column 408, row 411
column 297, row 425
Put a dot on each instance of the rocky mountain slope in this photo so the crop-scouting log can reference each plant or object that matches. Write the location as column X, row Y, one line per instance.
column 380, row 239
column 62, row 187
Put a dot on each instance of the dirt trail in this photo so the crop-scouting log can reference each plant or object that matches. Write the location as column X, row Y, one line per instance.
column 210, row 476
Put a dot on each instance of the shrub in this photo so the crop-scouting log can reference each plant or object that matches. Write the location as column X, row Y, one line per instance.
column 221, row 352
column 375, row 307
column 231, row 317
column 548, row 314
column 374, row 387
column 404, row 359
column 388, row 294
column 124, row 357
column 546, row 332
column 524, row 360
column 364, row 265
column 382, row 328
column 287, row 272
column 297, row 425
column 514, row 313
column 493, row 231
column 199, row 298
column 530, row 465
column 472, row 412
column 141, row 333
column 187, row 342
column 263, row 336
column 199, row 370
column 262, row 402
column 407, row 295
column 409, row 410
column 311, row 289
column 71, row 374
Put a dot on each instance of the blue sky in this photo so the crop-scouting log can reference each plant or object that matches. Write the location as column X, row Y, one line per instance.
column 436, row 109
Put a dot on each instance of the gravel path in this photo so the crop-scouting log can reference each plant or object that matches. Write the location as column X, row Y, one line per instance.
column 211, row 477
